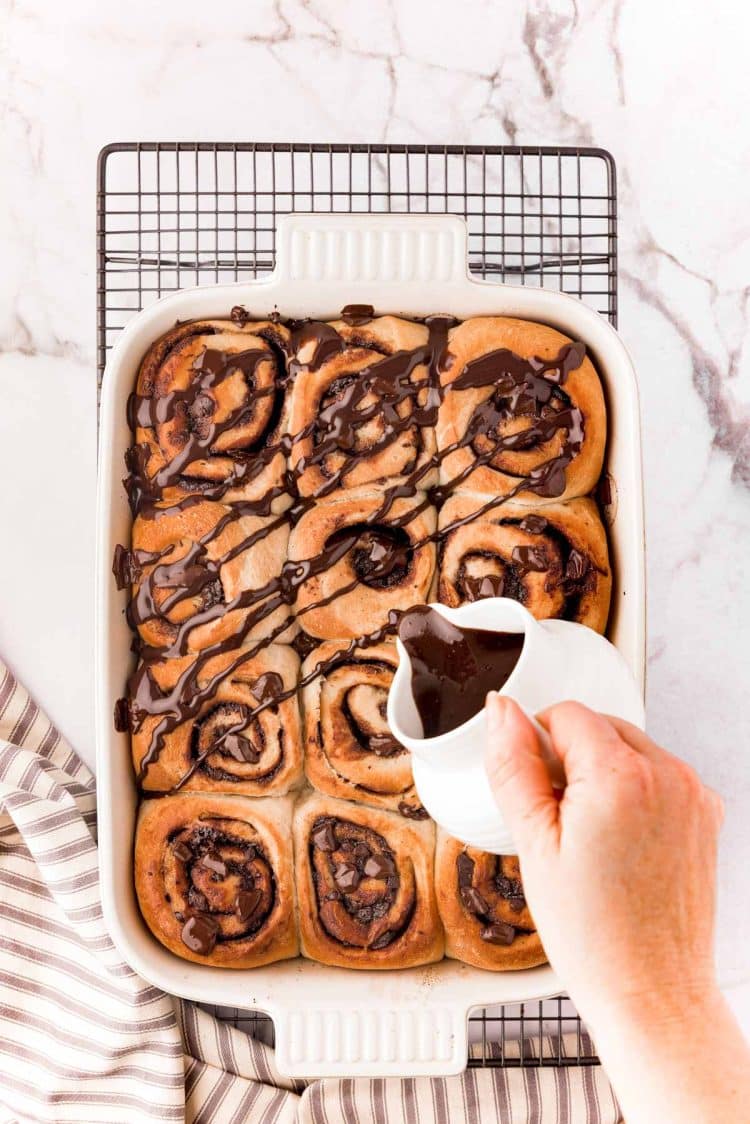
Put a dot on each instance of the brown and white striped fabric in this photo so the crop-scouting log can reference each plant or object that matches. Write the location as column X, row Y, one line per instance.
column 83, row 1038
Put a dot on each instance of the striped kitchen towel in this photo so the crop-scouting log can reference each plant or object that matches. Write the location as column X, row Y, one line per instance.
column 83, row 1038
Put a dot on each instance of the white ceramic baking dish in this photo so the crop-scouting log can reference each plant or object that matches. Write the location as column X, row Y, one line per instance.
column 333, row 1021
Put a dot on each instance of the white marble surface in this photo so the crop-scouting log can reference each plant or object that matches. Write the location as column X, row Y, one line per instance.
column 663, row 86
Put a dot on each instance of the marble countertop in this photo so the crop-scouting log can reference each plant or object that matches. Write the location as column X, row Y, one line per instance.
column 666, row 96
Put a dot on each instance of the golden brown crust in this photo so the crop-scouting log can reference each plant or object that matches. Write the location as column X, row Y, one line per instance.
column 489, row 556
column 392, row 921
column 480, row 336
column 349, row 749
column 373, row 458
column 256, row 755
column 195, row 854
column 254, row 548
column 505, row 916
column 370, row 598
column 255, row 396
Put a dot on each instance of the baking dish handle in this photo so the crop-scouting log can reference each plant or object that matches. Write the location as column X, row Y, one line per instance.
column 365, row 249
column 383, row 1041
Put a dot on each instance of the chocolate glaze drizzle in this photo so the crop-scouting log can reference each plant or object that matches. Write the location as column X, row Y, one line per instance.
column 404, row 390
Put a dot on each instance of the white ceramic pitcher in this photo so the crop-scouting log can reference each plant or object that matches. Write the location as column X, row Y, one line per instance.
column 559, row 660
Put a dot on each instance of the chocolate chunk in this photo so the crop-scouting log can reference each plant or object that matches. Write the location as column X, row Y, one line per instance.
column 473, row 900
column 324, row 837
column 355, row 315
column 379, row 866
column 182, row 852
column 576, row 566
column 246, row 904
column 122, row 716
column 464, row 869
column 239, row 315
column 346, row 876
column 240, row 748
column 549, row 479
column 267, row 687
column 125, row 567
column 530, row 558
column 413, row 811
column 215, row 864
column 498, row 933
column 534, row 524
column 199, row 934
column 383, row 745
column 304, row 644
column 517, row 904
column 477, row 588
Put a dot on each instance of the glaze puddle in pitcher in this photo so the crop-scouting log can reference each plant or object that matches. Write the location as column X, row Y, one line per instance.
column 452, row 668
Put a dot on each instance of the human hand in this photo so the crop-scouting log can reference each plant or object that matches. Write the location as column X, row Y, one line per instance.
column 619, row 874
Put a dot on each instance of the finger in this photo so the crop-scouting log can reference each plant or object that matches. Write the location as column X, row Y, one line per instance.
column 517, row 773
column 586, row 742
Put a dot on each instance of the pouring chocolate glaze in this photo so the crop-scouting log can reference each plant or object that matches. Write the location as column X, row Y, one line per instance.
column 544, row 662
column 453, row 668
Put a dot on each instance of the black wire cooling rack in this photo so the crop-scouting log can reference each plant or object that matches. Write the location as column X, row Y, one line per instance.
column 173, row 215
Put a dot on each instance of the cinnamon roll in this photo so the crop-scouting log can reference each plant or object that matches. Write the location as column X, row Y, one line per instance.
column 365, row 887
column 362, row 407
column 207, row 414
column 523, row 412
column 203, row 573
column 483, row 908
column 214, row 878
column 350, row 751
column 553, row 558
column 224, row 731
column 366, row 554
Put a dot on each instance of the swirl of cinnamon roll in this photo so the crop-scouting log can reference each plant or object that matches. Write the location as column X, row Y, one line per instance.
column 202, row 573
column 350, row 751
column 214, row 879
column 523, row 412
column 207, row 413
column 371, row 557
column 553, row 559
column 483, row 908
column 228, row 722
column 364, row 880
column 362, row 406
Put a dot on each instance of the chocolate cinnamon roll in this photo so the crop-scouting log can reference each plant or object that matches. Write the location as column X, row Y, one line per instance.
column 553, row 559
column 350, row 751
column 209, row 407
column 362, row 407
column 214, row 878
column 523, row 412
column 483, row 908
column 224, row 730
column 364, row 881
column 372, row 554
column 203, row 573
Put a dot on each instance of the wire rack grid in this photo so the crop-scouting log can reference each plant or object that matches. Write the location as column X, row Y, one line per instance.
column 174, row 215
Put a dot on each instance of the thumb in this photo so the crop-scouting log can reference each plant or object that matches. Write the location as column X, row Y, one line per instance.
column 517, row 773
